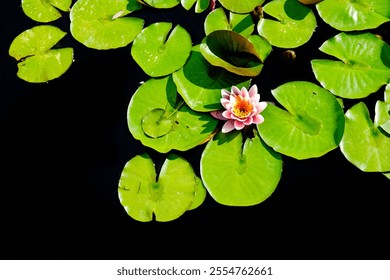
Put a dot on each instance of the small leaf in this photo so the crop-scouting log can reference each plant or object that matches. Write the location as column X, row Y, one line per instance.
column 363, row 144
column 45, row 10
column 237, row 173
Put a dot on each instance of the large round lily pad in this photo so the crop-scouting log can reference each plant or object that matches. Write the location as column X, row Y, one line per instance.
column 237, row 173
column 363, row 144
column 363, row 66
column 38, row 62
column 45, row 10
column 160, row 119
column 291, row 26
column 311, row 125
column 354, row 15
column 159, row 54
column 102, row 24
column 144, row 199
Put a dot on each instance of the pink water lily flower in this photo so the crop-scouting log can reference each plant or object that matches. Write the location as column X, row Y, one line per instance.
column 242, row 108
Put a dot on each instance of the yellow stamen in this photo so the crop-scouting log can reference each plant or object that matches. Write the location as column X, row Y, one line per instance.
column 242, row 108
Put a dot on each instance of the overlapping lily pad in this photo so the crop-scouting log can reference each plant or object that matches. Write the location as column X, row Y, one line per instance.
column 161, row 120
column 200, row 83
column 354, row 15
column 38, row 62
column 382, row 115
column 103, row 24
column 363, row 68
column 200, row 6
column 311, row 125
column 292, row 24
column 159, row 54
column 232, row 51
column 240, row 174
column 45, row 10
column 160, row 4
column 246, row 6
column 363, row 144
column 177, row 189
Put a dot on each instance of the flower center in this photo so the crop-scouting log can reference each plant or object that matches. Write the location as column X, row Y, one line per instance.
column 242, row 108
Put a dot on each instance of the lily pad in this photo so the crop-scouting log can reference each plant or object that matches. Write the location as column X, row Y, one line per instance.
column 38, row 62
column 45, row 10
column 246, row 6
column 240, row 23
column 102, row 24
column 200, row 6
column 382, row 115
column 363, row 144
column 157, row 103
column 292, row 24
column 232, row 51
column 165, row 200
column 311, row 125
column 354, row 15
column 200, row 83
column 239, row 174
column 200, row 194
column 159, row 54
column 160, row 4
column 363, row 68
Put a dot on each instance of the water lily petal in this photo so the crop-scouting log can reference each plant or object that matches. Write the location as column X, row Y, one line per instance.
column 235, row 91
column 258, row 119
column 239, row 125
column 218, row 115
column 228, row 126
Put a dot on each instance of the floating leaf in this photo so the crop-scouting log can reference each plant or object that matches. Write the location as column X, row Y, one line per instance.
column 101, row 24
column 200, row 83
column 45, row 10
column 161, row 4
column 159, row 54
column 363, row 69
column 201, row 5
column 38, row 62
column 292, row 26
column 240, row 23
column 232, row 51
column 165, row 200
column 312, row 125
column 237, row 173
column 178, row 127
column 382, row 115
column 363, row 144
column 246, row 6
column 200, row 194
column 354, row 15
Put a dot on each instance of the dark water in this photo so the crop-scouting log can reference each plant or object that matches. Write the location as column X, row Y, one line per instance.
column 63, row 145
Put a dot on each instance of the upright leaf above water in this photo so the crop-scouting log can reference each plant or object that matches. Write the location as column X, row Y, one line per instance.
column 364, row 65
column 38, row 62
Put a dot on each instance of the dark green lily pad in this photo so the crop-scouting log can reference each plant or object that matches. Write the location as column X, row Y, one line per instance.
column 200, row 6
column 200, row 83
column 292, row 26
column 232, row 51
column 144, row 199
column 240, row 23
column 177, row 126
column 363, row 144
column 102, row 24
column 45, row 10
column 354, row 15
column 363, row 68
column 246, row 6
column 38, row 62
column 311, row 125
column 159, row 55
column 239, row 174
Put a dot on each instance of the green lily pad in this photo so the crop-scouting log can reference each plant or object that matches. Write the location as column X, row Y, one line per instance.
column 40, row 63
column 292, row 26
column 382, row 115
column 240, row 23
column 354, row 15
column 178, row 127
column 102, row 24
column 160, row 4
column 387, row 93
column 387, row 174
column 200, row 6
column 312, row 125
column 363, row 69
column 200, row 194
column 232, row 51
column 45, row 10
column 246, row 6
column 200, row 83
column 159, row 55
column 363, row 144
column 239, row 174
column 165, row 200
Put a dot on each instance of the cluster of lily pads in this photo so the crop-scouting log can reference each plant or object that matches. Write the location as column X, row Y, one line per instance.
column 193, row 85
